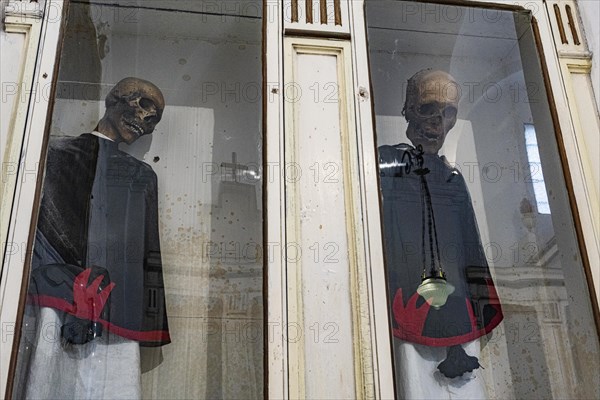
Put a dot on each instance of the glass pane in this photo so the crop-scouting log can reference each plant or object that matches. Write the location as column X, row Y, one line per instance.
column 146, row 277
column 487, row 292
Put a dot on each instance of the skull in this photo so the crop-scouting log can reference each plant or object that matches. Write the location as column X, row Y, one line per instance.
column 133, row 108
column 430, row 108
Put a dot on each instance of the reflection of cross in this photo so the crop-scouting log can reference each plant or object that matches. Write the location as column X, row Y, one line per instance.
column 234, row 166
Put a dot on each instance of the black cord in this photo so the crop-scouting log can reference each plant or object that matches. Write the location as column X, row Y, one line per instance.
column 410, row 158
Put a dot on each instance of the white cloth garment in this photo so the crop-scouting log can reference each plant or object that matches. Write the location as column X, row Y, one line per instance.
column 108, row 367
column 417, row 376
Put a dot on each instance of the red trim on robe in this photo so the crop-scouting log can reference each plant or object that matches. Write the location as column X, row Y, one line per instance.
column 63, row 305
column 411, row 320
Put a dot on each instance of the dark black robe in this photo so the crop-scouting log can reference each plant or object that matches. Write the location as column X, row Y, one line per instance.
column 97, row 251
column 473, row 309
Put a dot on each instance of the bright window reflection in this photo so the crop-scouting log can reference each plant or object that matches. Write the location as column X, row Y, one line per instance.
column 535, row 170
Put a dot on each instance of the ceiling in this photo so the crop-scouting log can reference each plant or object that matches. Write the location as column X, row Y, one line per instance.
column 219, row 21
column 443, row 30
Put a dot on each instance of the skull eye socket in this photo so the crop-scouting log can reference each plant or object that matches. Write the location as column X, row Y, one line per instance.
column 449, row 112
column 428, row 110
column 433, row 110
column 146, row 104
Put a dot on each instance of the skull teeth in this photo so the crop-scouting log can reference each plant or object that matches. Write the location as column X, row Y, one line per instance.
column 138, row 129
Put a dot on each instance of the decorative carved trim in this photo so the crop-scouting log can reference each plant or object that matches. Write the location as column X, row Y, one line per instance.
column 294, row 9
column 337, row 12
column 565, row 25
column 577, row 55
column 323, row 12
column 572, row 25
column 318, row 18
column 560, row 25
column 579, row 65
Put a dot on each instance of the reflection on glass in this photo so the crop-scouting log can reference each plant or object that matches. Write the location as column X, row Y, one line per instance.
column 146, row 277
column 480, row 273
column 535, row 169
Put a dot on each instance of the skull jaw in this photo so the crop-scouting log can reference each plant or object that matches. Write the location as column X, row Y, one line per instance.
column 130, row 131
column 121, row 126
column 431, row 139
column 133, row 128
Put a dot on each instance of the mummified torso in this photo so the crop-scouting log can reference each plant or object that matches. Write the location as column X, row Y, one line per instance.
column 473, row 308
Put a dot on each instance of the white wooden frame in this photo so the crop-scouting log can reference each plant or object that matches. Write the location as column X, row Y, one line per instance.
column 562, row 65
column 578, row 114
column 24, row 19
column 383, row 373
column 374, row 328
column 276, row 348
column 26, row 184
column 576, row 128
column 297, row 274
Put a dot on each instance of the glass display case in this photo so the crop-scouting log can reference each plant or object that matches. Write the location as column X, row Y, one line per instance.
column 486, row 286
column 146, row 273
column 298, row 199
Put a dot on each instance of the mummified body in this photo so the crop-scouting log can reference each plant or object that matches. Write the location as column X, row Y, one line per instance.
column 99, row 214
column 96, row 268
column 473, row 309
